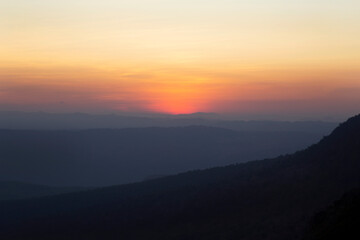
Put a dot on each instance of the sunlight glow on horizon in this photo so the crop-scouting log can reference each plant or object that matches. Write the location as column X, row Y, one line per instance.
column 180, row 56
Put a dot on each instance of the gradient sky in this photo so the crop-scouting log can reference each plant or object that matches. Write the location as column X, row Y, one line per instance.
column 261, row 57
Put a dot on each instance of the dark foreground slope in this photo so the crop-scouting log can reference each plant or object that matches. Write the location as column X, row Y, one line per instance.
column 269, row 199
column 115, row 156
column 339, row 221
column 19, row 190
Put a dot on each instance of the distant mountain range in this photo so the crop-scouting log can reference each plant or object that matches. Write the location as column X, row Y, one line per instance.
column 42, row 120
column 102, row 157
column 269, row 199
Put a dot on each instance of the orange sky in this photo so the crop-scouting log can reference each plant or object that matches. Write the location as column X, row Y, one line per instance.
column 235, row 57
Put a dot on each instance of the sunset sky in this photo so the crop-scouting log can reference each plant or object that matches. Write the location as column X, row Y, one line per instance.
column 261, row 57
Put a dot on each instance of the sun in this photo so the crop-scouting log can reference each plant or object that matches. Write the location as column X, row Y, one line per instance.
column 178, row 101
column 175, row 106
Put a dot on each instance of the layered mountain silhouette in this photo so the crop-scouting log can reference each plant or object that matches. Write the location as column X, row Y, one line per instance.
column 61, row 121
column 268, row 199
column 103, row 157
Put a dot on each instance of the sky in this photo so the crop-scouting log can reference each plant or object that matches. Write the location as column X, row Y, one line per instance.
column 271, row 58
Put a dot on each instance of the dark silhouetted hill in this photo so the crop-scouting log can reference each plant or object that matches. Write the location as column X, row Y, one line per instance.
column 113, row 156
column 269, row 199
column 340, row 221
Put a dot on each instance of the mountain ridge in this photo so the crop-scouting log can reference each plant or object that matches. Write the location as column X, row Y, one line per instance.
column 63, row 121
column 266, row 199
column 99, row 157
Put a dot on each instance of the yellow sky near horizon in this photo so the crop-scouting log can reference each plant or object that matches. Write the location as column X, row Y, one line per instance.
column 179, row 56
